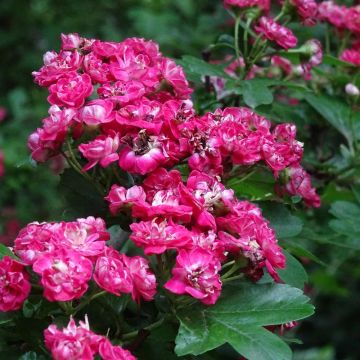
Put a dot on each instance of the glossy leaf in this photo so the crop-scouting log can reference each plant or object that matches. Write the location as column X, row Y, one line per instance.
column 237, row 318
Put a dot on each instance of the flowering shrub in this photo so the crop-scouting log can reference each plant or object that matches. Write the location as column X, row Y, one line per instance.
column 196, row 258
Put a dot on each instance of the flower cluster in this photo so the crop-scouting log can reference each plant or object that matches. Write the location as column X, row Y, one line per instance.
column 344, row 20
column 67, row 255
column 143, row 123
column 79, row 342
column 135, row 89
column 205, row 223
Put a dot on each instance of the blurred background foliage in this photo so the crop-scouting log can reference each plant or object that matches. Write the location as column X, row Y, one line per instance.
column 186, row 27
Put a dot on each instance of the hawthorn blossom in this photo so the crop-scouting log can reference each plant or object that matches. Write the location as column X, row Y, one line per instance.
column 196, row 274
column 158, row 236
column 121, row 199
column 144, row 281
column 70, row 90
column 112, row 274
column 102, row 150
column 14, row 284
column 273, row 31
column 64, row 274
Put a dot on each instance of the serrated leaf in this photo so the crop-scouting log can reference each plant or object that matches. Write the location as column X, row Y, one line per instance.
column 255, row 93
column 337, row 113
column 238, row 317
column 196, row 68
column 294, row 274
column 347, row 223
column 281, row 220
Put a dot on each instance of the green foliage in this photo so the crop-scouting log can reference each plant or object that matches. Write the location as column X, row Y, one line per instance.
column 238, row 317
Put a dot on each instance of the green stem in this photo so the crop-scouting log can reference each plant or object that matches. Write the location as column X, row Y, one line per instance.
column 236, row 36
column 234, row 268
column 88, row 300
column 236, row 277
column 245, row 38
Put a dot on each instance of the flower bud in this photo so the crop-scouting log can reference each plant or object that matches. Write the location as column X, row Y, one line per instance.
column 352, row 90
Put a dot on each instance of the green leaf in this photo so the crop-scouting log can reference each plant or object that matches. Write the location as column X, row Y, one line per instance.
column 257, row 186
column 255, row 93
column 337, row 113
column 238, row 319
column 294, row 274
column 346, row 223
column 196, row 68
column 281, row 220
column 332, row 60
column 5, row 251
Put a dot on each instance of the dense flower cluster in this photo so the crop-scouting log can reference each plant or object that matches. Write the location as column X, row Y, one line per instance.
column 143, row 119
column 68, row 255
column 79, row 342
column 204, row 222
column 137, row 91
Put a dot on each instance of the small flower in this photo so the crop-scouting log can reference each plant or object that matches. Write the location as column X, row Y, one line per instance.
column 196, row 274
column 273, row 31
column 101, row 150
column 112, row 274
column 64, row 274
column 14, row 284
column 70, row 90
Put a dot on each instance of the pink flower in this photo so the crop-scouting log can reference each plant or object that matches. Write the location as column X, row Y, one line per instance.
column 307, row 10
column 102, row 150
column 333, row 13
column 73, row 342
column 174, row 75
column 283, row 63
column 352, row 56
column 144, row 281
column 196, row 274
column 70, row 90
column 112, row 274
column 57, row 66
column 71, row 41
column 34, row 240
column 110, row 352
column 64, row 274
column 262, row 4
column 164, row 203
column 122, row 92
column 81, row 236
column 158, row 236
column 145, row 154
column 14, row 284
column 121, row 198
column 352, row 19
column 56, row 126
column 273, row 31
column 97, row 112
column 42, row 151
column 300, row 184
column 98, row 70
